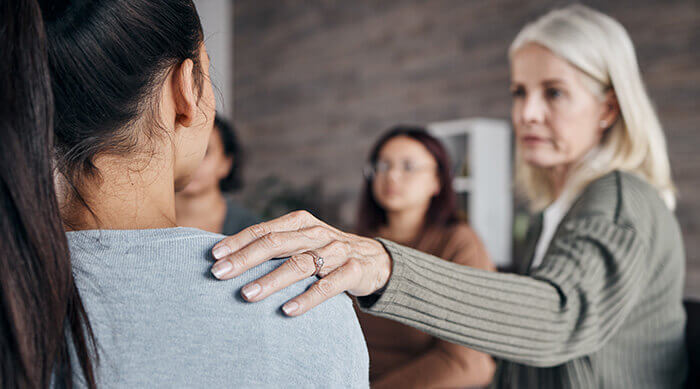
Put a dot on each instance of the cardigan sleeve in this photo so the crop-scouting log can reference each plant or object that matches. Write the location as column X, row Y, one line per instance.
column 588, row 282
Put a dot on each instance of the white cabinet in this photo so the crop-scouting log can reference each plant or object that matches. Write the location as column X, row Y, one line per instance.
column 481, row 153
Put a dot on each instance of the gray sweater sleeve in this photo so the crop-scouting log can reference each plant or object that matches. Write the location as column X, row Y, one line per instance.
column 569, row 306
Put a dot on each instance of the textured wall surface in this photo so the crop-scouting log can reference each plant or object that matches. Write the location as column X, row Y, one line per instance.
column 316, row 82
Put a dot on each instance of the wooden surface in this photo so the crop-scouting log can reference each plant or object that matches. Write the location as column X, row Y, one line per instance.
column 316, row 82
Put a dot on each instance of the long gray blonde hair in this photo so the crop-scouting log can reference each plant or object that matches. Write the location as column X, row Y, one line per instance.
column 601, row 49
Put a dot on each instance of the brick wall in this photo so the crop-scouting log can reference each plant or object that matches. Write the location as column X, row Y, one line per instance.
column 316, row 82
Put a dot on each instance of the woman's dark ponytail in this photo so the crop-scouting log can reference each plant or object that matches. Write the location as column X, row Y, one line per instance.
column 41, row 315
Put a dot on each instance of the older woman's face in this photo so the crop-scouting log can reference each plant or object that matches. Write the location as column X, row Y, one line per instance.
column 557, row 119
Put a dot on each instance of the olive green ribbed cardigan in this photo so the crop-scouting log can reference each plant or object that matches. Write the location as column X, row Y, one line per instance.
column 603, row 310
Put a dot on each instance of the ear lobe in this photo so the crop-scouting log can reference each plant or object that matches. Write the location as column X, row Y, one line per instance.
column 185, row 96
column 611, row 110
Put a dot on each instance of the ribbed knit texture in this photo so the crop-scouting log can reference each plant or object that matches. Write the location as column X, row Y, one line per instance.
column 163, row 321
column 603, row 310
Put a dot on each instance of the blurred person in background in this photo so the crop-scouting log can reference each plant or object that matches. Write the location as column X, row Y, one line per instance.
column 204, row 203
column 408, row 198
column 598, row 302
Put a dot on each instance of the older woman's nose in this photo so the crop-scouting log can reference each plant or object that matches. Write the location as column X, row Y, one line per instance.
column 533, row 110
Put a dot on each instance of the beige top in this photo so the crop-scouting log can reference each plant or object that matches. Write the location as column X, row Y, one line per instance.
column 401, row 356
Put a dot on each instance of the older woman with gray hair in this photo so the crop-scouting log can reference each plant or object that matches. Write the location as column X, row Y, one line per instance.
column 598, row 302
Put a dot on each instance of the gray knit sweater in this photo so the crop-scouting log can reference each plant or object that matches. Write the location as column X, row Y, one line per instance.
column 162, row 321
column 603, row 310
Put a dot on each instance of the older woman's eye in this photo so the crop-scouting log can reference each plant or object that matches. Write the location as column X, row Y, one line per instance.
column 517, row 92
column 553, row 93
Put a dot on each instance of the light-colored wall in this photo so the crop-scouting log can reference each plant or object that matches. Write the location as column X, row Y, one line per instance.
column 217, row 21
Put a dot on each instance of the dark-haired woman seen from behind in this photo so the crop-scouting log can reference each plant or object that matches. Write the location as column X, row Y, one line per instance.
column 204, row 203
column 38, row 297
column 134, row 112
column 408, row 198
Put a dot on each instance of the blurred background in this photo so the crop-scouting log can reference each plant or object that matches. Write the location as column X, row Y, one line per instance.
column 311, row 84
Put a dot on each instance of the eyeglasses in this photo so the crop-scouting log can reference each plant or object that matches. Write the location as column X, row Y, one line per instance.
column 406, row 168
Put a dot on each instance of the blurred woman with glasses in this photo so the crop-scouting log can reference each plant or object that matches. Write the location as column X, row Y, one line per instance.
column 408, row 198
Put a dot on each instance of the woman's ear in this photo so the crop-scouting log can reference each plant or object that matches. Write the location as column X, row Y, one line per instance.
column 611, row 111
column 185, row 95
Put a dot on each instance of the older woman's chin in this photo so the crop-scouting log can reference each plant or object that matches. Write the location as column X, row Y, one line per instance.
column 539, row 160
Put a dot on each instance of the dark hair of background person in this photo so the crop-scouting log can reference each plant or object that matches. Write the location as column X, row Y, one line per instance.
column 41, row 314
column 443, row 207
column 108, row 60
column 232, row 148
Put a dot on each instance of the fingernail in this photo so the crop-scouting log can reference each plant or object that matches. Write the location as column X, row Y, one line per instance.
column 221, row 268
column 221, row 252
column 290, row 308
column 250, row 291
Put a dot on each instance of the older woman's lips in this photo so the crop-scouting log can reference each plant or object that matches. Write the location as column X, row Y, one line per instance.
column 531, row 140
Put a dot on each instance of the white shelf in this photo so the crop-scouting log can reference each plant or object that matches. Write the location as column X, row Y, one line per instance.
column 462, row 184
column 480, row 149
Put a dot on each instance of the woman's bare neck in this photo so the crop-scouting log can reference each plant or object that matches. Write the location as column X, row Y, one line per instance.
column 404, row 226
column 125, row 197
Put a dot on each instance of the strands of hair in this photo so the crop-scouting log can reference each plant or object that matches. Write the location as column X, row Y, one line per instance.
column 41, row 314
column 600, row 47
column 108, row 59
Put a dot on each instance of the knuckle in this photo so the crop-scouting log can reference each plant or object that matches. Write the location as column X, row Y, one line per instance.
column 298, row 219
column 271, row 240
column 273, row 283
column 301, row 214
column 324, row 287
column 300, row 266
column 353, row 266
column 308, row 217
column 239, row 261
column 258, row 230
column 338, row 248
column 319, row 232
